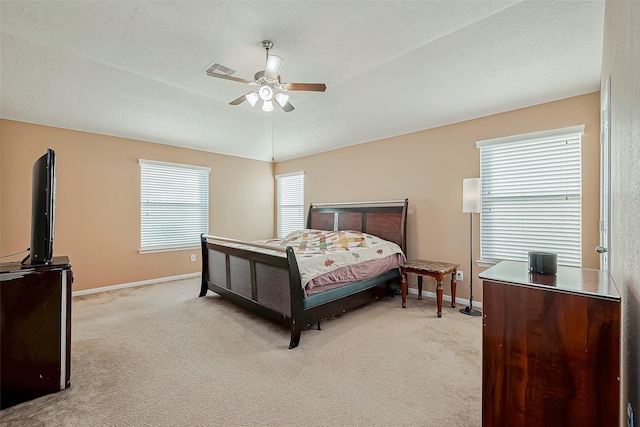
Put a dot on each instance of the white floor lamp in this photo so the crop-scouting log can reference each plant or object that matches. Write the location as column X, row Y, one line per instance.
column 470, row 205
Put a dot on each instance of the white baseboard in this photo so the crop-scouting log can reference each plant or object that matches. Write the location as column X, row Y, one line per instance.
column 413, row 291
column 132, row 284
column 432, row 295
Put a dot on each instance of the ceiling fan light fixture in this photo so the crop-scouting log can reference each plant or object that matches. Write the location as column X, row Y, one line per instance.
column 282, row 99
column 267, row 84
column 266, row 93
column 267, row 106
column 252, row 97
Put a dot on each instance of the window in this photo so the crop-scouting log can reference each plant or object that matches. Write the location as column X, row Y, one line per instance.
column 290, row 189
column 531, row 196
column 174, row 202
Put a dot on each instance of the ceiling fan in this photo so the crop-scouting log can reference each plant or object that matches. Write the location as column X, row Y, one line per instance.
column 269, row 86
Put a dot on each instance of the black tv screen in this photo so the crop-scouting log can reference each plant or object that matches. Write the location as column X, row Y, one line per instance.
column 43, row 199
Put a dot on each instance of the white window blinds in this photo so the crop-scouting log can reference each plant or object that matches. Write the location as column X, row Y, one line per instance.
column 531, row 196
column 290, row 189
column 174, row 202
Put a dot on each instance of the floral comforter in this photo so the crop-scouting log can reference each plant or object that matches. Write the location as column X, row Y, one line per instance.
column 319, row 252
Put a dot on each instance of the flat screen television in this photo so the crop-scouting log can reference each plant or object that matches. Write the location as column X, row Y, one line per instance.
column 43, row 203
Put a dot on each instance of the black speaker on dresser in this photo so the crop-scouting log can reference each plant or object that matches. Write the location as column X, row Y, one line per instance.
column 543, row 262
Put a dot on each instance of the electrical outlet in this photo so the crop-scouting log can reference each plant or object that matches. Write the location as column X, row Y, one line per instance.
column 193, row 257
column 460, row 275
column 630, row 422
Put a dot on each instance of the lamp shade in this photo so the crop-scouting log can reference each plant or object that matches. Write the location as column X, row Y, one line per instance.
column 471, row 195
column 282, row 99
column 252, row 97
column 267, row 106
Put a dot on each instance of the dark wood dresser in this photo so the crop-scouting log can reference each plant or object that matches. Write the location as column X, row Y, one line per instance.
column 35, row 330
column 550, row 348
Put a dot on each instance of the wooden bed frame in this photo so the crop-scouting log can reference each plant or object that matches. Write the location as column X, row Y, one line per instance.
column 270, row 285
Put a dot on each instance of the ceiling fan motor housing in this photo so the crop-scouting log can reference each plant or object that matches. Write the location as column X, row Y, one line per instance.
column 260, row 79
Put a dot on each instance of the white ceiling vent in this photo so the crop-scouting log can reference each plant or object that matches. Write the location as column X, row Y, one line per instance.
column 218, row 68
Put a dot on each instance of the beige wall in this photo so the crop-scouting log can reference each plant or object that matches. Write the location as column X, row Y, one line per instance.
column 621, row 61
column 428, row 167
column 98, row 196
column 98, row 201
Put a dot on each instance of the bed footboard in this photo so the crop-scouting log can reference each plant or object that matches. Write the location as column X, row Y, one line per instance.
column 266, row 284
column 258, row 277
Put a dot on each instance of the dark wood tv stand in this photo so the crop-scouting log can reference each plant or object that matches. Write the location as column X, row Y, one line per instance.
column 550, row 348
column 35, row 330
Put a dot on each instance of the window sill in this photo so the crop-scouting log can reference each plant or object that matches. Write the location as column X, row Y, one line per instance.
column 487, row 262
column 168, row 248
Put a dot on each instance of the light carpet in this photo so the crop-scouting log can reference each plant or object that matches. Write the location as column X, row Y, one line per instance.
column 158, row 355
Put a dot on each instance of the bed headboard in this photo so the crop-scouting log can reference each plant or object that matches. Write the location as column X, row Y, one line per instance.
column 385, row 219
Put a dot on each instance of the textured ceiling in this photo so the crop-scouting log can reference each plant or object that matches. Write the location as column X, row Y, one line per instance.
column 134, row 68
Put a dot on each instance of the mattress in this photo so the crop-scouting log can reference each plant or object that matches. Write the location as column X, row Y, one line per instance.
column 328, row 258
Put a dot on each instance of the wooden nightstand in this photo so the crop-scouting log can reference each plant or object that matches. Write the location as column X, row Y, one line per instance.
column 435, row 269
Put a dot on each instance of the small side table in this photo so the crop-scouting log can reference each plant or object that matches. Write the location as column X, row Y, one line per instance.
column 435, row 269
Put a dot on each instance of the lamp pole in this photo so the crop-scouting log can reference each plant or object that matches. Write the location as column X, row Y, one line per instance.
column 471, row 204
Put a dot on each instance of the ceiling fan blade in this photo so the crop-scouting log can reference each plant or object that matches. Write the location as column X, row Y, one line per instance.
column 287, row 107
column 227, row 77
column 314, row 87
column 239, row 100
column 274, row 64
